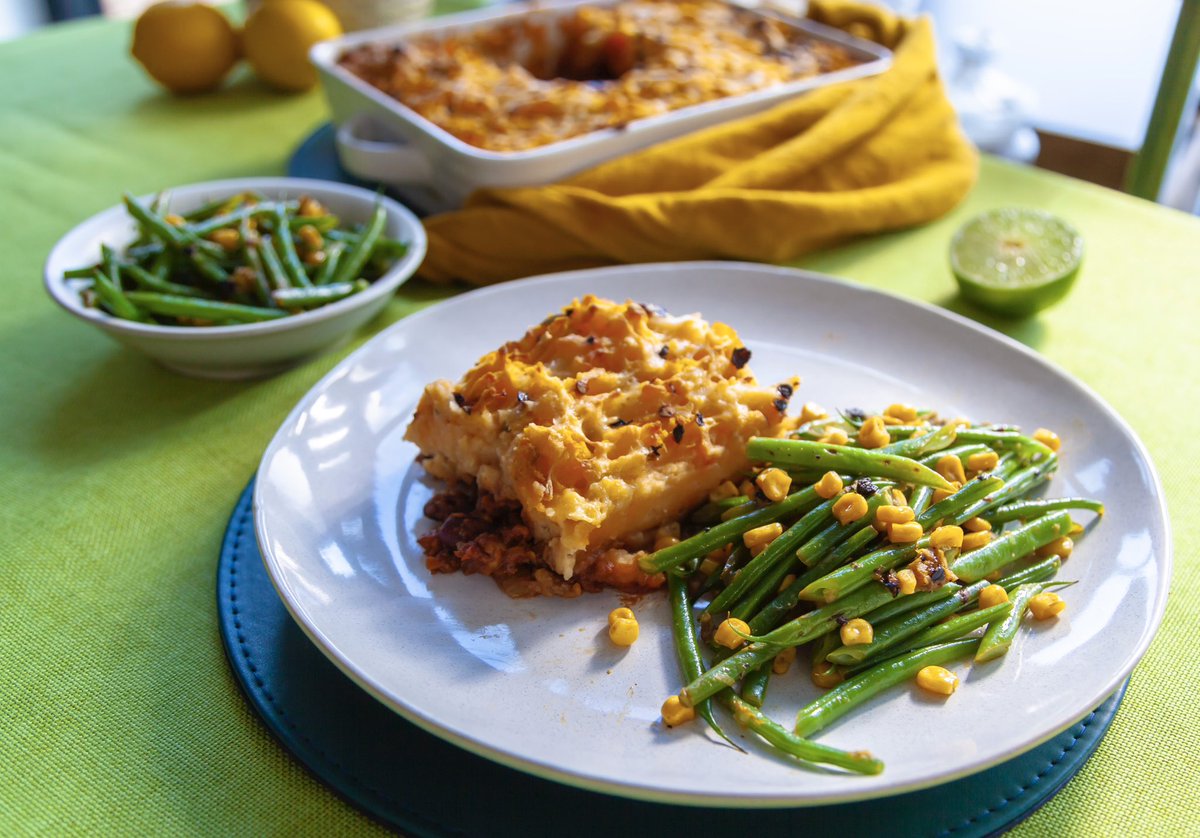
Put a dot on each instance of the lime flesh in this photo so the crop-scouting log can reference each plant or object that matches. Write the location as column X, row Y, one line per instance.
column 1015, row 261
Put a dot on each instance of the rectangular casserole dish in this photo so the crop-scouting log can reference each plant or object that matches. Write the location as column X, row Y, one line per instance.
column 380, row 139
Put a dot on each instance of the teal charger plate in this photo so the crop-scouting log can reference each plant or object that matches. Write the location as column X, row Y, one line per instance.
column 423, row 786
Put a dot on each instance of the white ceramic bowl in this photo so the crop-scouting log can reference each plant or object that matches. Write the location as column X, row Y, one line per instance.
column 379, row 139
column 249, row 349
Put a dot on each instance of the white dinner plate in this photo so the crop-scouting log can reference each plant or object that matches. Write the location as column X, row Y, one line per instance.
column 535, row 683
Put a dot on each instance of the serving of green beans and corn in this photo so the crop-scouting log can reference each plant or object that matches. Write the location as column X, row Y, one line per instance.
column 883, row 547
column 242, row 259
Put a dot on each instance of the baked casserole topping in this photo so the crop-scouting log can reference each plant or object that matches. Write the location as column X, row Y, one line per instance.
column 541, row 78
column 580, row 444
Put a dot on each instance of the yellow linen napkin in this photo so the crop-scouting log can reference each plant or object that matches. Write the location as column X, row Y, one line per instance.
column 858, row 157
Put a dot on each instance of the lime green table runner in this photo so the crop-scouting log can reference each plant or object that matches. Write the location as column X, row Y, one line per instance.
column 116, row 477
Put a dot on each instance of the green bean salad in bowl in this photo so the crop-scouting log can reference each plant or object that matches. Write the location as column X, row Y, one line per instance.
column 236, row 278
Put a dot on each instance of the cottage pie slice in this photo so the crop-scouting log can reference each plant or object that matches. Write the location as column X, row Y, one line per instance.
column 571, row 449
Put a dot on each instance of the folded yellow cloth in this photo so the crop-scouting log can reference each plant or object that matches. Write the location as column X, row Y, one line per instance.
column 858, row 157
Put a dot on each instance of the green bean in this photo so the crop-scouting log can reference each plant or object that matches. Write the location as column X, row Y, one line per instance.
column 903, row 605
column 1042, row 571
column 152, row 282
column 117, row 302
column 726, row 673
column 710, row 513
column 820, row 620
column 843, row 580
column 779, row 550
column 843, row 459
column 778, row 736
column 960, row 451
column 705, row 542
column 238, row 215
column 849, row 694
column 919, row 499
column 777, row 609
column 890, row 634
column 820, row 544
column 353, row 262
column 796, row 633
column 208, row 210
column 305, row 298
column 171, row 235
column 738, row 510
column 272, row 267
column 973, row 566
column 262, row 287
column 959, row 626
column 333, row 255
column 108, row 264
column 80, row 273
column 390, row 247
column 1016, row 486
column 683, row 629
column 1025, row 509
column 737, row 557
column 754, row 685
column 999, row 636
column 955, row 508
column 915, row 446
column 175, row 306
column 321, row 223
column 287, row 252
column 1027, row 446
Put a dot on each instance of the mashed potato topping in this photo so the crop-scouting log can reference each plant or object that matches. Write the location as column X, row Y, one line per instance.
column 603, row 422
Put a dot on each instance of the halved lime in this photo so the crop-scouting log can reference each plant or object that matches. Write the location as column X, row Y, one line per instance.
column 1015, row 261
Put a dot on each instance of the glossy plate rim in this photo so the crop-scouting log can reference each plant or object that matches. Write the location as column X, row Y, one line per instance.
column 546, row 770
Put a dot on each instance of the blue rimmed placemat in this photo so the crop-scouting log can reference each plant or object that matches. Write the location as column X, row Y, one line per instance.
column 421, row 785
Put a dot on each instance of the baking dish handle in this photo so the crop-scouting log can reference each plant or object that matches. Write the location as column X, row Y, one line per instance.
column 365, row 152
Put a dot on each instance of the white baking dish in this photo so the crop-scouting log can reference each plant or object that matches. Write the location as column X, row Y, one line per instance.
column 379, row 139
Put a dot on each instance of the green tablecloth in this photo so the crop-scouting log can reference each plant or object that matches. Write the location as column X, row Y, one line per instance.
column 116, row 477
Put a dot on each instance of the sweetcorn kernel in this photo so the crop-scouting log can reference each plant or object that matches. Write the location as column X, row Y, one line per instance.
column 849, row 508
column 675, row 714
column 950, row 467
column 937, row 679
column 975, row 540
column 829, row 485
column 727, row 633
column 1061, row 547
column 857, row 632
column 620, row 614
column 728, row 489
column 812, row 411
column 948, row 537
column 894, row 514
column 774, row 483
column 1048, row 438
column 907, row 581
column 834, row 436
column 873, row 434
column 623, row 631
column 903, row 412
column 759, row 538
column 992, row 595
column 827, row 675
column 977, row 525
column 940, row 495
column 905, row 533
column 783, row 661
column 1047, row 605
column 983, row 461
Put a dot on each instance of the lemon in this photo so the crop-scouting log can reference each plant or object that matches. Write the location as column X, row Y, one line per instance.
column 278, row 35
column 186, row 47
column 1015, row 261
